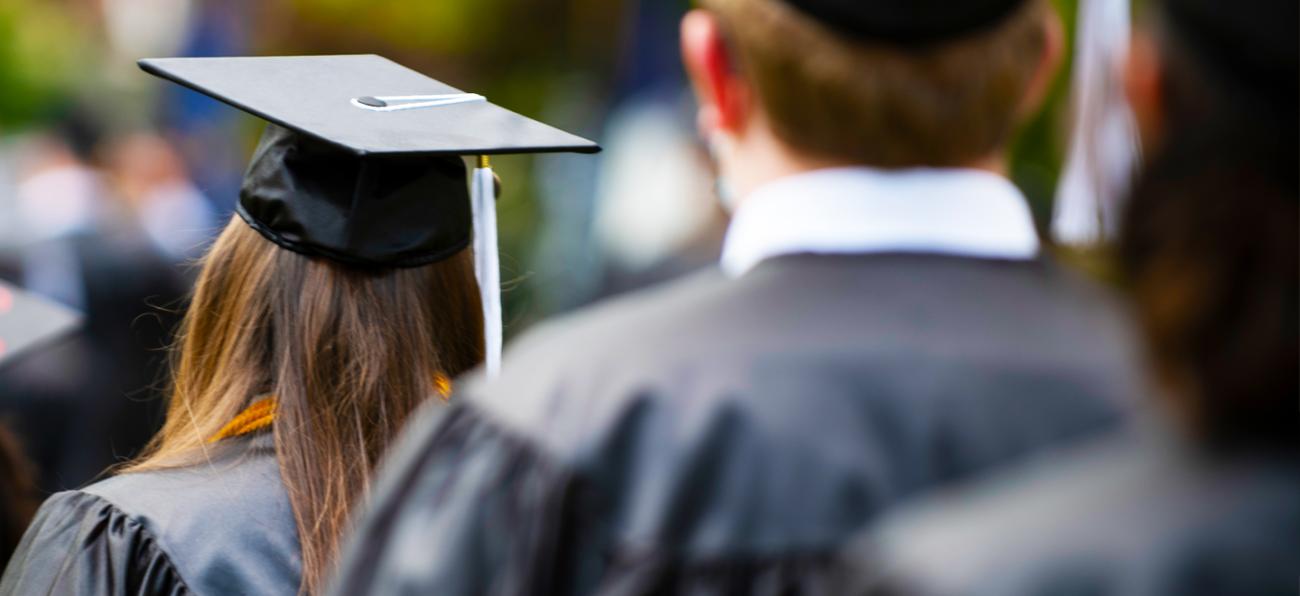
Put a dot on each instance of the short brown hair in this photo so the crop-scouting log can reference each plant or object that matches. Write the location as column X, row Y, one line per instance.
column 879, row 104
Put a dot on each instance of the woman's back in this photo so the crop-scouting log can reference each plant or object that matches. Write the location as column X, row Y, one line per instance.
column 292, row 373
column 223, row 526
column 341, row 297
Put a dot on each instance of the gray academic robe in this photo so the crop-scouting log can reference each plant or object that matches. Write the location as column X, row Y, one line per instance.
column 219, row 527
column 726, row 435
column 1127, row 515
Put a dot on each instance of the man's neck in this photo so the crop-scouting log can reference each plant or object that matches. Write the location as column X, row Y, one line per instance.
column 759, row 163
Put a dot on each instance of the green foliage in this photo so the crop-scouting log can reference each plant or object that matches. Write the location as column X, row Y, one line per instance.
column 433, row 26
column 1039, row 149
column 41, row 47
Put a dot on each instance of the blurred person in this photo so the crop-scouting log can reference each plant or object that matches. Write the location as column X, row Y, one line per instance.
column 26, row 323
column 1202, row 497
column 205, row 133
column 341, row 296
column 654, row 221
column 18, row 498
column 653, row 217
column 150, row 174
column 61, row 196
column 883, row 321
column 83, row 405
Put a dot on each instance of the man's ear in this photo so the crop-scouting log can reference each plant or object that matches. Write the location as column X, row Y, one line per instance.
column 1142, row 84
column 723, row 96
column 1048, row 64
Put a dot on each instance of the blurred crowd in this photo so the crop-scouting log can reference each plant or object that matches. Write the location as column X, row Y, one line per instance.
column 105, row 227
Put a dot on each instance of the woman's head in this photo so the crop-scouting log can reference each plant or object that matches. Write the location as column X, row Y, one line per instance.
column 347, row 353
column 1210, row 235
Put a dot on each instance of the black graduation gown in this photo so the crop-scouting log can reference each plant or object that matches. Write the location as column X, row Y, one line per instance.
column 727, row 435
column 222, row 527
column 1125, row 515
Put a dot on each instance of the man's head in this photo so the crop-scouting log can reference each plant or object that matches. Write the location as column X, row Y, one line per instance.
column 781, row 91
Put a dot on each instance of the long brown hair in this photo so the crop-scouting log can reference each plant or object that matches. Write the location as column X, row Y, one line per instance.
column 347, row 353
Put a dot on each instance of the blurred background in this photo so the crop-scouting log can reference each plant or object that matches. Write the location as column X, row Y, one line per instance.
column 112, row 182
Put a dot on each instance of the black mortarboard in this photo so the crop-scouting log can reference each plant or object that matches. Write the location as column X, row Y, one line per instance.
column 907, row 21
column 27, row 321
column 361, row 162
column 360, row 165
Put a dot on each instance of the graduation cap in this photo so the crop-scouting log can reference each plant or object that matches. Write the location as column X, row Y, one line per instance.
column 911, row 22
column 27, row 321
column 361, row 162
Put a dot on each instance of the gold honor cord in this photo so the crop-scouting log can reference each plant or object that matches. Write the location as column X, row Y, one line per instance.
column 260, row 414
column 255, row 417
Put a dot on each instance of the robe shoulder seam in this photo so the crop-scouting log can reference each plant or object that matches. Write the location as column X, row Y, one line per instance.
column 152, row 543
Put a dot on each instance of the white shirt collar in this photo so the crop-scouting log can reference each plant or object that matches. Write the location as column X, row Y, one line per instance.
column 863, row 210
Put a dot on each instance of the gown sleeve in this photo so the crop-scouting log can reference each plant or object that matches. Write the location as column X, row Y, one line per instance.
column 463, row 507
column 80, row 544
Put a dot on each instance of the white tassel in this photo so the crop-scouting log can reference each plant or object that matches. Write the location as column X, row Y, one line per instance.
column 487, row 264
column 1103, row 146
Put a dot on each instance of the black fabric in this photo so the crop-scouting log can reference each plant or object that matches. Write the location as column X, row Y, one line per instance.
column 1121, row 516
column 535, row 519
column 907, row 21
column 366, row 188
column 1250, row 44
column 81, row 544
column 313, row 198
column 726, row 436
column 520, row 500
column 223, row 526
column 313, row 95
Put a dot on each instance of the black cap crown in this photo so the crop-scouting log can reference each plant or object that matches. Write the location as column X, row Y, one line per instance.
column 361, row 162
column 907, row 21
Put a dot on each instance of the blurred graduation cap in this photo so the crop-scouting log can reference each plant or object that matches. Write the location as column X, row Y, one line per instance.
column 27, row 321
column 912, row 22
column 361, row 162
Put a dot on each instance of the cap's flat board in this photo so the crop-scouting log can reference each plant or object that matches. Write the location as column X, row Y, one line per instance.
column 313, row 95
column 27, row 321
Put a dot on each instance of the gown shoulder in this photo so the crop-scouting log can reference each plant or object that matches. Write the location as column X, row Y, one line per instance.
column 79, row 543
column 1124, row 514
column 219, row 526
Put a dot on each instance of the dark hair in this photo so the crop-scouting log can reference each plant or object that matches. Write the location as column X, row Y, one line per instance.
column 18, row 498
column 1210, row 248
column 80, row 129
